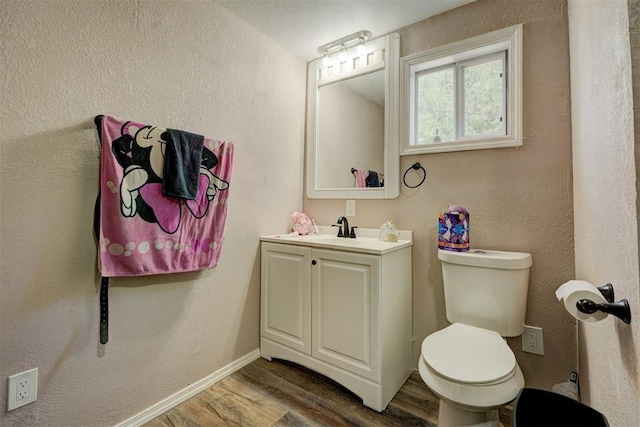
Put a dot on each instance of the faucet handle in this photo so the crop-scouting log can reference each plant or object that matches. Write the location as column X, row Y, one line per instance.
column 353, row 232
column 339, row 230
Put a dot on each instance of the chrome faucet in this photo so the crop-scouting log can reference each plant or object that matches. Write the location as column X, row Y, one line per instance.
column 344, row 232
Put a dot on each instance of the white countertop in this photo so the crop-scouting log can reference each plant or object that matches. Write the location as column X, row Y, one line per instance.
column 365, row 242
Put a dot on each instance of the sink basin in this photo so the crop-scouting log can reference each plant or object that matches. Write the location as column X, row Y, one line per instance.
column 323, row 238
column 542, row 408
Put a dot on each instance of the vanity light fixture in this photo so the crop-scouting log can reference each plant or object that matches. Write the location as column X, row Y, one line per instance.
column 343, row 44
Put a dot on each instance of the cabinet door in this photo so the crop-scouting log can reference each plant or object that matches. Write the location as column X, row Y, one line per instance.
column 286, row 295
column 345, row 311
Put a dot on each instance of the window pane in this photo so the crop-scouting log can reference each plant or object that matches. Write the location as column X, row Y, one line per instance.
column 435, row 107
column 483, row 98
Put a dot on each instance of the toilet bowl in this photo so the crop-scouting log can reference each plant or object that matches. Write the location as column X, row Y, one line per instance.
column 473, row 372
column 468, row 364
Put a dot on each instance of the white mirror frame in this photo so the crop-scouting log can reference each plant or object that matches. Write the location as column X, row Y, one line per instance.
column 389, row 45
column 508, row 38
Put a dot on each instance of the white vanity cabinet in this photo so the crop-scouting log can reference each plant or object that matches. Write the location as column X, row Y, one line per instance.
column 344, row 312
column 285, row 297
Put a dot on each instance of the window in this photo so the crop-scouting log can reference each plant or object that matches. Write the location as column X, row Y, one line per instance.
column 463, row 96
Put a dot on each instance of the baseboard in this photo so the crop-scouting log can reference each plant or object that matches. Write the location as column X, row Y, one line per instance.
column 188, row 392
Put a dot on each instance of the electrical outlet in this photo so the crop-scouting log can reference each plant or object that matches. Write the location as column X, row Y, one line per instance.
column 351, row 208
column 532, row 341
column 23, row 389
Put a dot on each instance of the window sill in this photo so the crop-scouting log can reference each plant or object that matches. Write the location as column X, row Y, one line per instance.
column 462, row 145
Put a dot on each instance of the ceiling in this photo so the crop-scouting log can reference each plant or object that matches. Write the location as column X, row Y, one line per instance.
column 303, row 25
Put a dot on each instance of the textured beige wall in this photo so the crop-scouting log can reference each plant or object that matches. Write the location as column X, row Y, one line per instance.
column 519, row 198
column 184, row 64
column 605, row 181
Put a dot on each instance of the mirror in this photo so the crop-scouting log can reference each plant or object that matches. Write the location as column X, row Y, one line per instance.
column 350, row 130
column 352, row 125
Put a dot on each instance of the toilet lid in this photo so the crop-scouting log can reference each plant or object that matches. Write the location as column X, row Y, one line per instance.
column 468, row 354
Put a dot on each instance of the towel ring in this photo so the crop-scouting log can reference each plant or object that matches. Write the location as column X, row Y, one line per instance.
column 415, row 166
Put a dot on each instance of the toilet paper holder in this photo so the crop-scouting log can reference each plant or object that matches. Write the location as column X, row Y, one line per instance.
column 620, row 309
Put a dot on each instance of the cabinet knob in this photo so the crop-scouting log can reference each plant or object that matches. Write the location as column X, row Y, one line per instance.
column 314, row 262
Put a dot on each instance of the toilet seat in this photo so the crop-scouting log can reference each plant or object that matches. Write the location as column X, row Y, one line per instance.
column 470, row 396
column 471, row 367
column 469, row 355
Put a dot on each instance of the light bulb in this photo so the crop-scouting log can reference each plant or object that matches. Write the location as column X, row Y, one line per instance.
column 326, row 61
column 343, row 54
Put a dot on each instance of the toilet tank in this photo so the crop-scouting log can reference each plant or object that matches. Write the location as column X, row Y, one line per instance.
column 486, row 288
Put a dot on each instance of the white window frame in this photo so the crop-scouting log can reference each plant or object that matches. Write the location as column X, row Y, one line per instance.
column 458, row 54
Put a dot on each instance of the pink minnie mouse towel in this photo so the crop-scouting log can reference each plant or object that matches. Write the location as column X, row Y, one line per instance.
column 142, row 228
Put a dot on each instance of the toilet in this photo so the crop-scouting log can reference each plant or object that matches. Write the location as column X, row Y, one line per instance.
column 469, row 364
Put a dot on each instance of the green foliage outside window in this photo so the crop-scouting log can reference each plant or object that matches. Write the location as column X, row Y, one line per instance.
column 482, row 110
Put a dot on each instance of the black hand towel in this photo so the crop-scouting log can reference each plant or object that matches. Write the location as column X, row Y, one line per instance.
column 183, row 155
column 373, row 180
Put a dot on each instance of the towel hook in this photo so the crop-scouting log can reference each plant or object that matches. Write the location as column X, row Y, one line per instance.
column 414, row 166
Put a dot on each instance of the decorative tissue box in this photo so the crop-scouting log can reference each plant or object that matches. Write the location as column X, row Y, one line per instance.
column 453, row 231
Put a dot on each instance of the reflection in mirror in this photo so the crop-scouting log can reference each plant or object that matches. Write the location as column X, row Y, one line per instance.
column 350, row 132
column 352, row 124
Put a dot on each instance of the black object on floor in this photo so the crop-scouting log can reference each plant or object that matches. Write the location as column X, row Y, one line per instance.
column 542, row 408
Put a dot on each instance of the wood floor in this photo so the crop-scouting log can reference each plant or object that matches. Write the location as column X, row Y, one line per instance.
column 283, row 394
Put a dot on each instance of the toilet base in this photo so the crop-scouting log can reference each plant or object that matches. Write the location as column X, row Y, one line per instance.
column 450, row 415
